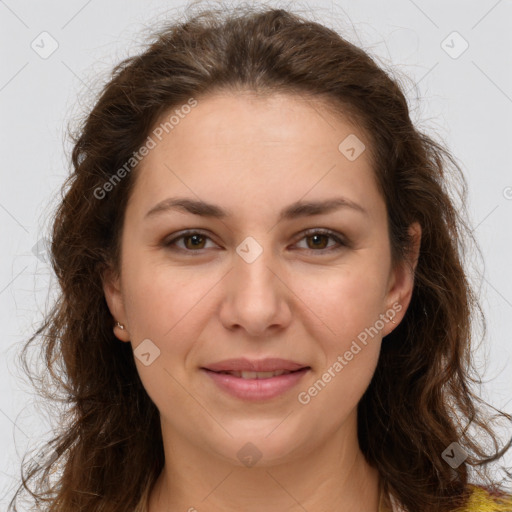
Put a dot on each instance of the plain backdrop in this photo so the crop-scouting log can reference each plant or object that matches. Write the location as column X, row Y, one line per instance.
column 56, row 54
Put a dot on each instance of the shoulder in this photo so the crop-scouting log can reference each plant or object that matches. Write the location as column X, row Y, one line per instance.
column 482, row 500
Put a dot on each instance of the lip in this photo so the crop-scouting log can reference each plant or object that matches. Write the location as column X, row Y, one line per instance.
column 256, row 389
column 270, row 364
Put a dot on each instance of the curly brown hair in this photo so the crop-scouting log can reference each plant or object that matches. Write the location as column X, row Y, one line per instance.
column 109, row 450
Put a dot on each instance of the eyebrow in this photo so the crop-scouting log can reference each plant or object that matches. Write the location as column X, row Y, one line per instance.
column 293, row 211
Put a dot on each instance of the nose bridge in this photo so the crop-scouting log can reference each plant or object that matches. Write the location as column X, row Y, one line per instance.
column 256, row 295
column 252, row 268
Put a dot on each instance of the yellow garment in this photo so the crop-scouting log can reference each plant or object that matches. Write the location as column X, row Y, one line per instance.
column 481, row 501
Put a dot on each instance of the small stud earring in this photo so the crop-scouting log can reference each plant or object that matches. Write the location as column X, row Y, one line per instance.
column 121, row 326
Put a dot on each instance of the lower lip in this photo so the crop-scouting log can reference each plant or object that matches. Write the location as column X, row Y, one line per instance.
column 256, row 389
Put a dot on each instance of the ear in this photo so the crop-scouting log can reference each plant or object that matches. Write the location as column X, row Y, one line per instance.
column 114, row 298
column 401, row 282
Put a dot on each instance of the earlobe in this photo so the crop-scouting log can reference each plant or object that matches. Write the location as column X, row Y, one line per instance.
column 114, row 299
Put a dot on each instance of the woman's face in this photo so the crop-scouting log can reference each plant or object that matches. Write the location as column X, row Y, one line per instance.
column 251, row 284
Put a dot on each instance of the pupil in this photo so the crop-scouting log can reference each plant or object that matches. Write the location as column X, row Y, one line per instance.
column 195, row 238
column 317, row 237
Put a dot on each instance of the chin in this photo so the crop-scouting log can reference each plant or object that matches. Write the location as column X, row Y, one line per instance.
column 264, row 447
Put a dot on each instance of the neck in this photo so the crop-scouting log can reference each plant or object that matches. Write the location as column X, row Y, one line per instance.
column 333, row 476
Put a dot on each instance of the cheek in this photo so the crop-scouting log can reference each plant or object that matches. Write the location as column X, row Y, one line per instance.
column 161, row 300
column 349, row 305
column 164, row 305
column 348, row 337
column 347, row 299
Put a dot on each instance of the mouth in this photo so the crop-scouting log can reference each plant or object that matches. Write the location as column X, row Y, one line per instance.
column 256, row 386
column 259, row 366
column 247, row 375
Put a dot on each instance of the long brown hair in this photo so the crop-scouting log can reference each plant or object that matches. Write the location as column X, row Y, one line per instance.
column 109, row 450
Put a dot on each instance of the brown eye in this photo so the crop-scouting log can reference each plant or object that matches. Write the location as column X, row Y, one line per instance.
column 193, row 241
column 317, row 241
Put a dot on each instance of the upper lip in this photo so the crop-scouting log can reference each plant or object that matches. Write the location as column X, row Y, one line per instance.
column 255, row 365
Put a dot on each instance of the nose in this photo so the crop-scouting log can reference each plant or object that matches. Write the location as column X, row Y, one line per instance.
column 256, row 296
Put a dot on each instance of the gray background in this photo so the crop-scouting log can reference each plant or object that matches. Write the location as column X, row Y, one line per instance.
column 465, row 100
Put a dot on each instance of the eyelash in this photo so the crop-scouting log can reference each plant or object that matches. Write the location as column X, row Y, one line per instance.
column 171, row 244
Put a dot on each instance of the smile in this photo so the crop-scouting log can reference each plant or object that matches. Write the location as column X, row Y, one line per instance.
column 256, row 386
column 256, row 375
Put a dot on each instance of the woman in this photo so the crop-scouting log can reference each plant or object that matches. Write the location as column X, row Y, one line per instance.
column 263, row 301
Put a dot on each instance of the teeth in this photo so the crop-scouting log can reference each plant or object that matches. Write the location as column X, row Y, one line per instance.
column 257, row 375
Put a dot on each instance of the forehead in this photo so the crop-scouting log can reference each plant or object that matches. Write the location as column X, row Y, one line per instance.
column 245, row 118
column 270, row 148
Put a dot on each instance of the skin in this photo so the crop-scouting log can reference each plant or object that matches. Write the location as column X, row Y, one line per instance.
column 254, row 156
